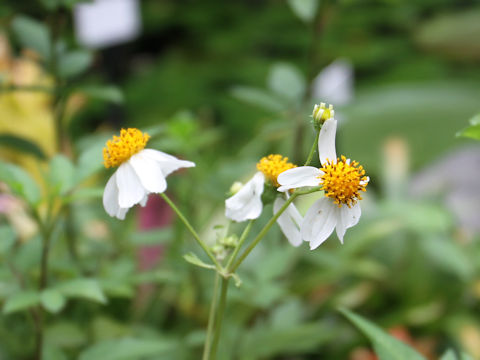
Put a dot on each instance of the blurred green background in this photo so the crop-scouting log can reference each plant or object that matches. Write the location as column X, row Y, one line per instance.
column 222, row 84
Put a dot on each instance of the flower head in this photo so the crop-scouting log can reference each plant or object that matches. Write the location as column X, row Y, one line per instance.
column 246, row 203
column 140, row 171
column 341, row 179
column 321, row 114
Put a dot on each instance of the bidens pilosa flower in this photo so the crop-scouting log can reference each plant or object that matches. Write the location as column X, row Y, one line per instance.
column 247, row 204
column 321, row 114
column 341, row 179
column 140, row 171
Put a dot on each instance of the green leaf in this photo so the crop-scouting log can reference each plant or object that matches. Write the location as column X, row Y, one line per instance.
column 22, row 145
column 50, row 4
column 83, row 288
column 74, row 62
column 66, row 335
column 193, row 259
column 285, row 80
column 258, row 98
column 449, row 355
column 21, row 301
column 62, row 174
column 19, row 182
column 472, row 131
column 52, row 300
column 90, row 161
column 386, row 346
column 106, row 93
column 7, row 239
column 128, row 348
column 306, row 10
column 32, row 34
column 152, row 237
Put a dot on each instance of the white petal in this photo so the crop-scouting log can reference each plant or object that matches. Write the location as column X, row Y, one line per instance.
column 168, row 163
column 131, row 190
column 144, row 201
column 149, row 172
column 299, row 177
column 326, row 141
column 121, row 213
column 319, row 222
column 348, row 217
column 246, row 204
column 110, row 196
column 289, row 221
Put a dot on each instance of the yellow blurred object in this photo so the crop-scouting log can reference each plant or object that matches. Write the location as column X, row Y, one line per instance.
column 470, row 339
column 26, row 114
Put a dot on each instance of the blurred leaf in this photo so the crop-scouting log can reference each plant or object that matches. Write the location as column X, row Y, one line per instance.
column 304, row 9
column 52, row 300
column 19, row 182
column 128, row 348
column 50, row 4
column 62, row 174
column 106, row 93
column 66, row 335
column 32, row 34
column 452, row 34
column 23, row 145
column 258, row 97
column 472, row 131
column 193, row 259
column 83, row 288
column 386, row 346
column 104, row 328
column 286, row 80
column 7, row 239
column 90, row 161
column 449, row 355
column 152, row 237
column 74, row 62
column 21, row 301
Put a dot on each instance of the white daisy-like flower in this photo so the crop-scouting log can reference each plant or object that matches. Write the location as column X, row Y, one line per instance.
column 140, row 171
column 342, row 180
column 246, row 203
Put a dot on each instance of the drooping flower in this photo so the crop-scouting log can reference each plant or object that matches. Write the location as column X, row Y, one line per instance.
column 341, row 179
column 140, row 171
column 247, row 204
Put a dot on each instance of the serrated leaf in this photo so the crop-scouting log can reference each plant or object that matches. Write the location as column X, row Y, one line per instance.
column 193, row 259
column 52, row 300
column 22, row 145
column 19, row 182
column 74, row 62
column 306, row 10
column 286, row 81
column 106, row 93
column 32, row 34
column 128, row 348
column 83, row 288
column 386, row 346
column 258, row 98
column 21, row 301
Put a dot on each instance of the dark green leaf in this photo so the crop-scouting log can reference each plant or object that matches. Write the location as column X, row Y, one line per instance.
column 83, row 288
column 106, row 93
column 258, row 98
column 33, row 35
column 74, row 63
column 21, row 144
column 386, row 346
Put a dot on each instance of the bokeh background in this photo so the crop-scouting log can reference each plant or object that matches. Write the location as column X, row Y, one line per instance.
column 222, row 84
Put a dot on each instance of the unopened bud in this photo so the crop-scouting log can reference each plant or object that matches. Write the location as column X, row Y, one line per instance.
column 321, row 114
column 236, row 186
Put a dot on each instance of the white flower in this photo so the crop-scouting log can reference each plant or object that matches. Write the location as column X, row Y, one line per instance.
column 140, row 171
column 340, row 178
column 247, row 203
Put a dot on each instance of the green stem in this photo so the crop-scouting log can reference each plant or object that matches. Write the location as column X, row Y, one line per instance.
column 219, row 318
column 239, row 245
column 211, row 319
column 312, row 150
column 193, row 232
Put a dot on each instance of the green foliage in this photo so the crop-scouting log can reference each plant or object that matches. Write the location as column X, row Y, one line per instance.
column 386, row 346
column 304, row 9
column 32, row 34
column 472, row 131
column 23, row 145
column 74, row 63
column 20, row 182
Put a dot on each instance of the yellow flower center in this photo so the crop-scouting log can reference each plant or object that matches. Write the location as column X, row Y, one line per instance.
column 121, row 148
column 321, row 113
column 273, row 165
column 343, row 181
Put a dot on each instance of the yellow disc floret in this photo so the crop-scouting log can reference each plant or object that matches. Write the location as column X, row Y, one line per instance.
column 273, row 165
column 321, row 113
column 121, row 148
column 343, row 181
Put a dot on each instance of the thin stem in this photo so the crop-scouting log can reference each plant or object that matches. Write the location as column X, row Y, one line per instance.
column 240, row 243
column 192, row 231
column 219, row 317
column 211, row 318
column 312, row 150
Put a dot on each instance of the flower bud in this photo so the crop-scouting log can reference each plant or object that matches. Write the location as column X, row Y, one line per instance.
column 236, row 186
column 321, row 114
